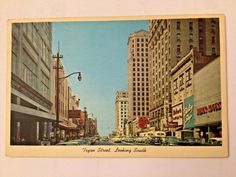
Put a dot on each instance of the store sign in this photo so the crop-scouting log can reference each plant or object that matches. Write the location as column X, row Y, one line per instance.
column 188, row 113
column 172, row 125
column 74, row 113
column 177, row 114
column 209, row 108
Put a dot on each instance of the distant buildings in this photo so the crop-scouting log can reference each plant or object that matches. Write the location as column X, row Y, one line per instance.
column 121, row 106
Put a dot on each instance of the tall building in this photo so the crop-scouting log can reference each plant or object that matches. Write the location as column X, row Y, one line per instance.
column 138, row 75
column 169, row 41
column 31, row 118
column 121, row 107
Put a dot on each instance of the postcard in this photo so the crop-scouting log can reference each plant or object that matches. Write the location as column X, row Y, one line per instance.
column 148, row 86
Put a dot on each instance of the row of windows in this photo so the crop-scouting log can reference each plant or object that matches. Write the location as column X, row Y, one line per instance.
column 140, row 60
column 178, row 25
column 123, row 114
column 140, row 69
column 38, row 42
column 140, row 40
column 138, row 94
column 141, row 54
column 141, row 113
column 29, row 76
column 14, row 55
column 184, row 78
column 123, row 103
column 140, row 64
column 138, row 84
column 139, row 99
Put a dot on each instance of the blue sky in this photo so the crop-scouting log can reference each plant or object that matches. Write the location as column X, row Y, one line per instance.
column 99, row 51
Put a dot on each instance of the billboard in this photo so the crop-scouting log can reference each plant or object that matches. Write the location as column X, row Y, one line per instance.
column 188, row 113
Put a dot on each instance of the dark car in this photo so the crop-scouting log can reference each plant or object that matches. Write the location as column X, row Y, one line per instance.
column 213, row 142
column 103, row 143
column 189, row 141
column 171, row 141
column 156, row 141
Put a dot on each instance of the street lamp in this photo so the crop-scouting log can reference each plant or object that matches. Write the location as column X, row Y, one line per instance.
column 85, row 121
column 58, row 67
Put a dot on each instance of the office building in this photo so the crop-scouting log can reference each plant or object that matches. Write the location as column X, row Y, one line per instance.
column 31, row 118
column 138, row 75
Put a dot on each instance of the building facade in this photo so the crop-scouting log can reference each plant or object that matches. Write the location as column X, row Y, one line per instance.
column 169, row 41
column 138, row 75
column 182, row 84
column 31, row 117
column 207, row 101
column 121, row 106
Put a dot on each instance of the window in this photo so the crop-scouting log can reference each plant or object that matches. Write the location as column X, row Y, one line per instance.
column 178, row 37
column 178, row 25
column 181, row 80
column 175, row 85
column 29, row 69
column 213, row 51
column 14, row 55
column 213, row 40
column 178, row 49
column 190, row 26
column 188, row 74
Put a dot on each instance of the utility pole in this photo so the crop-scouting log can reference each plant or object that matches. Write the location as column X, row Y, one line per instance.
column 58, row 67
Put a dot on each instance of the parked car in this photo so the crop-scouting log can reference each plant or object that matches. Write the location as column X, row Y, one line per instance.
column 171, row 141
column 116, row 140
column 79, row 142
column 189, row 141
column 215, row 141
column 69, row 143
column 155, row 141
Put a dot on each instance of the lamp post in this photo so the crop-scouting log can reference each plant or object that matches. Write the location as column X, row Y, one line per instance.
column 86, row 121
column 58, row 67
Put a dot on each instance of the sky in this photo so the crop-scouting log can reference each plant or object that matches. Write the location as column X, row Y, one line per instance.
column 99, row 51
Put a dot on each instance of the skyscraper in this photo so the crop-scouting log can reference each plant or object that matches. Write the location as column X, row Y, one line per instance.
column 138, row 74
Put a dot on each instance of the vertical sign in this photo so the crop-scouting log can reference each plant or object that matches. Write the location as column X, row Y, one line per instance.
column 188, row 113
